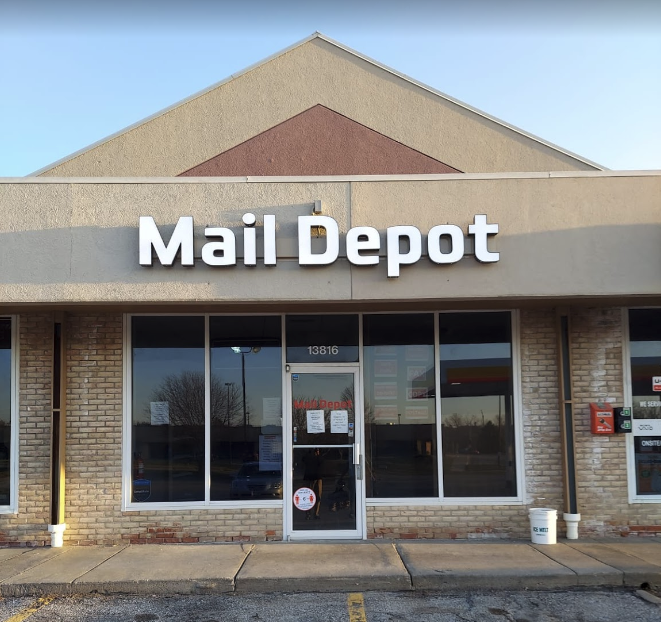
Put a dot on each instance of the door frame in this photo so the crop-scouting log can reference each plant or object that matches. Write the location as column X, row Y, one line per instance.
column 287, row 453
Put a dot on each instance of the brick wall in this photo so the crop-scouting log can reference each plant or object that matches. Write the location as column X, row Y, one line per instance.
column 448, row 521
column 597, row 338
column 94, row 447
column 541, row 417
column 30, row 526
column 94, row 429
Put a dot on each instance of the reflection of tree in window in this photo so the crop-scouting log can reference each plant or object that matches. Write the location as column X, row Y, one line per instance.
column 185, row 396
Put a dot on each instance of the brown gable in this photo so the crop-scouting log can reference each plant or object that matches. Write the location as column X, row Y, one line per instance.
column 318, row 142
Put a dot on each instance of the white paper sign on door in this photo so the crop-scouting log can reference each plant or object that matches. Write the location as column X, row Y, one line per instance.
column 339, row 422
column 316, row 423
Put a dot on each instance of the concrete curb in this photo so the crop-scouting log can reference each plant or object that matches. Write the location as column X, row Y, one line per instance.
column 324, row 568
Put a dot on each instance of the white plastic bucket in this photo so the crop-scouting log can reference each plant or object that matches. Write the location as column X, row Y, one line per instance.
column 57, row 535
column 543, row 525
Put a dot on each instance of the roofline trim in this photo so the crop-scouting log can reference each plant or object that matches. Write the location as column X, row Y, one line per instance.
column 431, row 177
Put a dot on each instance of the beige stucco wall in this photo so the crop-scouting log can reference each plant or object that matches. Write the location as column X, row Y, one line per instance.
column 591, row 235
column 316, row 72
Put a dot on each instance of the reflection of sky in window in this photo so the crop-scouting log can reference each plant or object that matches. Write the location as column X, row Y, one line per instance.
column 263, row 375
column 152, row 365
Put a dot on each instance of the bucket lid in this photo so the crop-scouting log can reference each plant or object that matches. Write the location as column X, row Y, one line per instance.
column 545, row 510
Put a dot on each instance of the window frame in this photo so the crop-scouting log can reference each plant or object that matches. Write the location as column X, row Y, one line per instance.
column 207, row 503
column 519, row 447
column 634, row 497
column 12, row 507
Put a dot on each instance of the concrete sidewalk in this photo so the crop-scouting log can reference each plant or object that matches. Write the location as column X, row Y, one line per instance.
column 326, row 567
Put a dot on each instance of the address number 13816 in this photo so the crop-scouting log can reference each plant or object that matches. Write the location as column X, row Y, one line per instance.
column 323, row 350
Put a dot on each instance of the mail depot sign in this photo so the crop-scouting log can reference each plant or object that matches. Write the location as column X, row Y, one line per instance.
column 403, row 244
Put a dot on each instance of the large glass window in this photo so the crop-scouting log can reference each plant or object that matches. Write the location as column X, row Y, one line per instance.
column 207, row 404
column 400, row 421
column 5, row 413
column 477, row 413
column 173, row 409
column 645, row 349
column 246, row 408
column 168, row 409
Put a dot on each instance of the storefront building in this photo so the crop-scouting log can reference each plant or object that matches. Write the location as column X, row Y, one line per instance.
column 321, row 300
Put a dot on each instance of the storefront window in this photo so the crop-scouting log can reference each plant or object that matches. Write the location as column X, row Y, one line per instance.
column 400, row 421
column 645, row 348
column 168, row 460
column 477, row 414
column 246, row 408
column 170, row 403
column 5, row 412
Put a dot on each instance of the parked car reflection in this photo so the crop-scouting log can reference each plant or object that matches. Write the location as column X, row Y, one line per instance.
column 251, row 482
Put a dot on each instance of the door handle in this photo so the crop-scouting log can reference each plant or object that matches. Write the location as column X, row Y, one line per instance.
column 357, row 461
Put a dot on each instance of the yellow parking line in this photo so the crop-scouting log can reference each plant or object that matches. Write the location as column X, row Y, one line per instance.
column 33, row 608
column 356, row 606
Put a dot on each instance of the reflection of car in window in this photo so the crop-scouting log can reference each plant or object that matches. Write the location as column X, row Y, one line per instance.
column 251, row 482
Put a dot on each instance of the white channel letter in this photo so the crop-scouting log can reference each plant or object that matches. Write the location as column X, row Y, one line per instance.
column 249, row 240
column 269, row 240
column 227, row 247
column 481, row 230
column 456, row 243
column 305, row 255
column 370, row 242
column 150, row 238
column 395, row 257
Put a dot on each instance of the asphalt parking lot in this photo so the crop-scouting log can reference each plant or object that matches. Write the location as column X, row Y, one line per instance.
column 503, row 606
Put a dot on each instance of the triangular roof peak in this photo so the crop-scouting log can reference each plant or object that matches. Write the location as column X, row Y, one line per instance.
column 315, row 71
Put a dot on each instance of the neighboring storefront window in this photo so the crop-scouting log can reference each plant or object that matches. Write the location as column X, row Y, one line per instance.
column 477, row 409
column 400, row 421
column 6, row 456
column 177, row 400
column 645, row 352
column 246, row 408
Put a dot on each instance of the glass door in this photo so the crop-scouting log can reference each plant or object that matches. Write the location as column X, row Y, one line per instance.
column 325, row 488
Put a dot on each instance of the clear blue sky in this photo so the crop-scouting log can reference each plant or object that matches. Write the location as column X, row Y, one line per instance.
column 583, row 74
